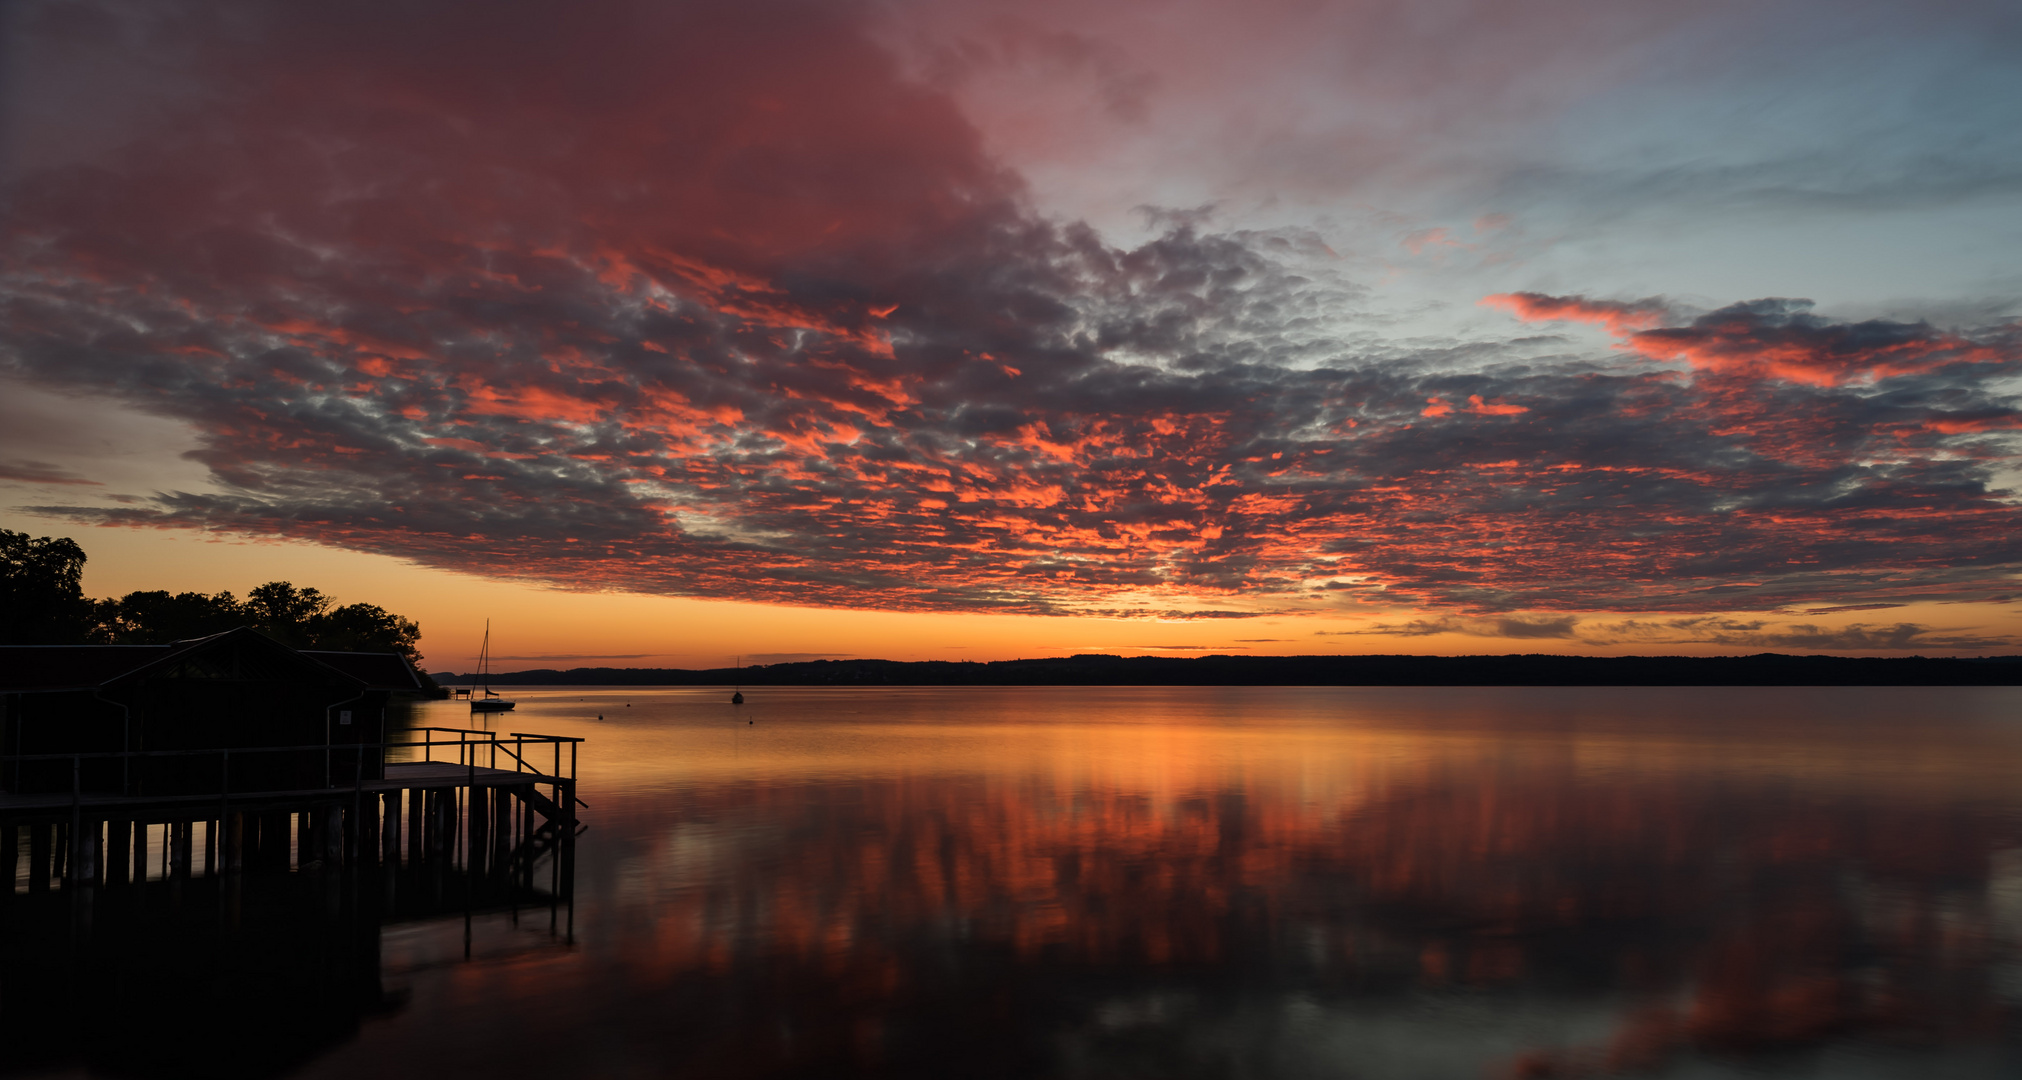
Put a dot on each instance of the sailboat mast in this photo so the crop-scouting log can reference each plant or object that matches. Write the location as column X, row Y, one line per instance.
column 484, row 699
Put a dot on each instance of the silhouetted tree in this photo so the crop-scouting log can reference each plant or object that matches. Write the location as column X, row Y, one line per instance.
column 368, row 628
column 157, row 617
column 42, row 602
column 41, row 592
column 297, row 617
column 287, row 614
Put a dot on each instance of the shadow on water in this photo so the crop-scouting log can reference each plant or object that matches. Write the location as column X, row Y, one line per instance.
column 235, row 976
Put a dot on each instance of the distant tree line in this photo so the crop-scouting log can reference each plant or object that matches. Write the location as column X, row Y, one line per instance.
column 42, row 602
column 1762, row 669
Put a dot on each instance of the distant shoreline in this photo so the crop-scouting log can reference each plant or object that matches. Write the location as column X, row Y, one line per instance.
column 1763, row 669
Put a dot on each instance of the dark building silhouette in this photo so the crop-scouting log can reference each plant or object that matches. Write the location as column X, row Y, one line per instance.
column 237, row 689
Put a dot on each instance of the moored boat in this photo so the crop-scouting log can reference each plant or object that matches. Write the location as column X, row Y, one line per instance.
column 486, row 700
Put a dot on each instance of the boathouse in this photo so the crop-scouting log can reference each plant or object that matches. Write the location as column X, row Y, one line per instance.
column 235, row 751
column 235, row 689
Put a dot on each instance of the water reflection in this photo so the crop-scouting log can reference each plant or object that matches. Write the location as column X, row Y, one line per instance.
column 1222, row 883
column 1272, row 884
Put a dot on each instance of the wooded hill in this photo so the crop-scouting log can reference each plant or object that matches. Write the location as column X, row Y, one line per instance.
column 1764, row 669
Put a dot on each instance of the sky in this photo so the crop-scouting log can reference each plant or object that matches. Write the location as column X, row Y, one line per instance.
column 662, row 334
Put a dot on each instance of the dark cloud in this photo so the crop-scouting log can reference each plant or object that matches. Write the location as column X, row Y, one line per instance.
column 1760, row 634
column 1561, row 627
column 30, row 471
column 1508, row 627
column 557, row 657
column 712, row 301
column 1176, row 614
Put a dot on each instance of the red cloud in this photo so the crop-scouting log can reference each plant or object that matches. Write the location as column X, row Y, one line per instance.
column 718, row 303
column 1479, row 407
column 1777, row 339
column 1781, row 340
column 1617, row 316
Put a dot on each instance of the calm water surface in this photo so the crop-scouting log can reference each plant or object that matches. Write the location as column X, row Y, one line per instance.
column 1244, row 882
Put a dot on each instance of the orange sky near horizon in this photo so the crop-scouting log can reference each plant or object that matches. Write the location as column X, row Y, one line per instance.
column 539, row 626
column 662, row 333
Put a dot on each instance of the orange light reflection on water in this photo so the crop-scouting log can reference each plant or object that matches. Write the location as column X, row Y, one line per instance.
column 1683, row 872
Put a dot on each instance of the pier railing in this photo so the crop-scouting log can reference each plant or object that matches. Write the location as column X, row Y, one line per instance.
column 468, row 748
column 467, row 799
column 335, row 759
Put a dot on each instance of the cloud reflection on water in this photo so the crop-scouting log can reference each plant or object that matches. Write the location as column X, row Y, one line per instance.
column 1299, row 882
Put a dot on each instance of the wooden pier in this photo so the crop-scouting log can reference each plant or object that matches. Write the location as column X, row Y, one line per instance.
column 496, row 808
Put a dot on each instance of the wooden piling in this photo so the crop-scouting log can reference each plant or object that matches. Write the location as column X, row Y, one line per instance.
column 10, row 856
column 119, row 851
column 437, row 824
column 90, row 851
column 232, row 848
column 502, row 829
column 365, row 833
column 179, row 837
column 565, row 850
column 41, row 839
column 248, row 853
column 276, row 841
column 526, row 834
column 389, row 828
column 479, row 843
column 333, row 835
column 417, row 825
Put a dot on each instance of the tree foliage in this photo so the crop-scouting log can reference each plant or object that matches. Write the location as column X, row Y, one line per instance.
column 156, row 617
column 41, row 591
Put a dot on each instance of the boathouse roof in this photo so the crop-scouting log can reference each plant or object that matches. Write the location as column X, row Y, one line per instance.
column 35, row 669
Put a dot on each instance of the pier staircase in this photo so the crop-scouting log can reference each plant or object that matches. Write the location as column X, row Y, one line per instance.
column 546, row 838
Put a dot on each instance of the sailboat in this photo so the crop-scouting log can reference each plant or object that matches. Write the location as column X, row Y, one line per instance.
column 737, row 695
column 488, row 701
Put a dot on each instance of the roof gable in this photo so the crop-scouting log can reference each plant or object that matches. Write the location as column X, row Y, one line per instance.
column 49, row 668
column 378, row 671
column 241, row 655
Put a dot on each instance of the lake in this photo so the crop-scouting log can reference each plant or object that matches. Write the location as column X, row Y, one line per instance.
column 1245, row 882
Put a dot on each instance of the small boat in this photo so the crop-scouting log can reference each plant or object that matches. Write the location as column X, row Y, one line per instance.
column 737, row 695
column 488, row 700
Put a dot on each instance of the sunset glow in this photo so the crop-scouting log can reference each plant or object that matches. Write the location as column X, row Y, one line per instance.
column 662, row 334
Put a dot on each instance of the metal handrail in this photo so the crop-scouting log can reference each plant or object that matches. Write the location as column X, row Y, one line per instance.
column 489, row 739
